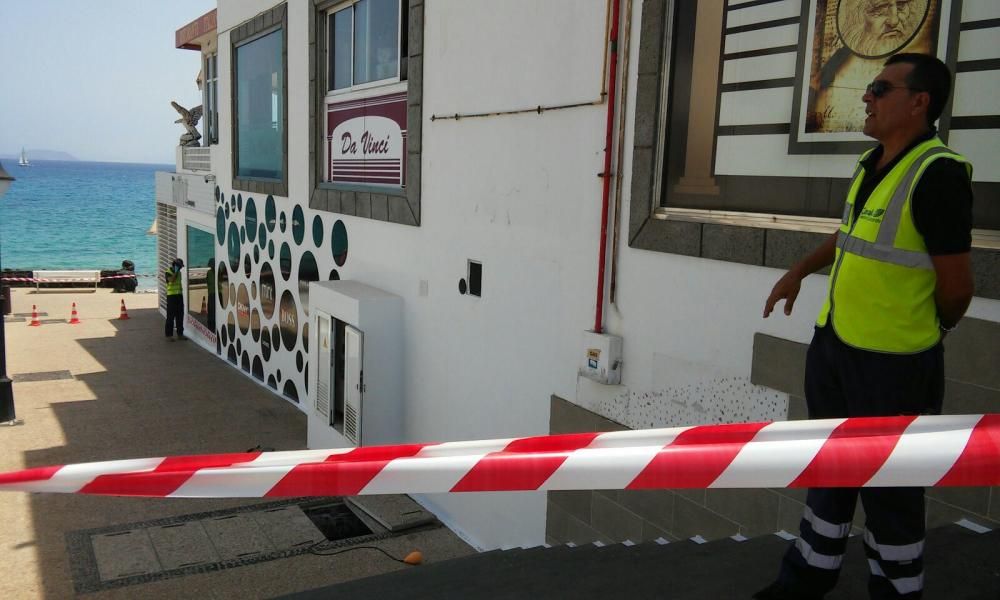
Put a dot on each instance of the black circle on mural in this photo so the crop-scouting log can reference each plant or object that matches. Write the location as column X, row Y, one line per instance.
column 270, row 249
column 278, row 374
column 461, row 286
column 220, row 226
column 255, row 324
column 233, row 246
column 256, row 254
column 271, row 383
column 239, row 201
column 218, row 193
column 245, row 362
column 317, row 231
column 223, row 285
column 253, row 290
column 218, row 345
column 239, row 346
column 307, row 379
column 232, row 354
column 338, row 243
column 308, row 271
column 334, row 275
column 282, row 222
column 231, row 325
column 243, row 308
column 298, row 361
column 247, row 266
column 268, row 292
column 251, row 219
column 269, row 213
column 305, row 336
column 224, row 335
column 298, row 225
column 243, row 235
column 265, row 343
column 285, row 261
column 227, row 210
column 288, row 320
column 258, row 369
column 261, row 236
column 276, row 337
column 291, row 392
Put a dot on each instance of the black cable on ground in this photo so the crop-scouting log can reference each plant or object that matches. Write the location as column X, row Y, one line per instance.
column 315, row 549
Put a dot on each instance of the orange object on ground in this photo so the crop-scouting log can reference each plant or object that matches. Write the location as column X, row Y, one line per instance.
column 73, row 319
column 124, row 313
column 34, row 317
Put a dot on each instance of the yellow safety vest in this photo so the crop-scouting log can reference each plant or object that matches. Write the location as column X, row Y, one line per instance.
column 881, row 288
column 174, row 288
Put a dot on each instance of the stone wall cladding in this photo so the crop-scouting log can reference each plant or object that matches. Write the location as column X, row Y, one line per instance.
column 381, row 204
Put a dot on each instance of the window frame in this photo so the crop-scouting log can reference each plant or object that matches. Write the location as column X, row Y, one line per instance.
column 263, row 24
column 398, row 77
column 754, row 238
column 392, row 204
column 210, row 67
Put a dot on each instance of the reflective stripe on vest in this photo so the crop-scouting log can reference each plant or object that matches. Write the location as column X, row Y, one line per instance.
column 881, row 288
column 174, row 287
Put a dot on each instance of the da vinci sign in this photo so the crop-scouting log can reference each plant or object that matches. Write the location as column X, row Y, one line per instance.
column 366, row 141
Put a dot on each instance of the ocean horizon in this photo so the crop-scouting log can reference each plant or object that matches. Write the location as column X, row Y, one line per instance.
column 79, row 215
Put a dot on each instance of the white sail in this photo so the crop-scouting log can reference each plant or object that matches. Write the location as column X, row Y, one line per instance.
column 24, row 159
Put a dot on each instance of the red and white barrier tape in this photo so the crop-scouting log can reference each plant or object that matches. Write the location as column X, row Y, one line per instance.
column 961, row 450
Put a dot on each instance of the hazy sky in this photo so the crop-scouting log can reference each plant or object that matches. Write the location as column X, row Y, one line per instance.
column 95, row 77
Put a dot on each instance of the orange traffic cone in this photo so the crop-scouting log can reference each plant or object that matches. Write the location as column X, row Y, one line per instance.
column 204, row 306
column 34, row 317
column 73, row 320
column 124, row 314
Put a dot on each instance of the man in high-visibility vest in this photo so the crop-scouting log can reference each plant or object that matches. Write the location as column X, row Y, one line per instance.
column 175, row 301
column 900, row 279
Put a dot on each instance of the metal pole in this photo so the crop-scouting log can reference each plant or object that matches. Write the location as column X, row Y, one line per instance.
column 6, row 386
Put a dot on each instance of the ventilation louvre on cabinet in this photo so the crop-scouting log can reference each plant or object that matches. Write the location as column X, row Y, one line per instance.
column 351, row 423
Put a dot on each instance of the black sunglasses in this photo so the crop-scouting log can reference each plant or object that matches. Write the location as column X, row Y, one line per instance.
column 880, row 87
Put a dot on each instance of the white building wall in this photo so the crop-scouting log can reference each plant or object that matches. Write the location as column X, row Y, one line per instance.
column 521, row 195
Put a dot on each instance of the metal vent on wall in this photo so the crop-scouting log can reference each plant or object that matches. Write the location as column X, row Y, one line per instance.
column 350, row 423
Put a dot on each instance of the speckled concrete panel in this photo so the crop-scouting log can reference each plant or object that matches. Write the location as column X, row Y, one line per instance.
column 180, row 545
column 124, row 554
column 287, row 527
column 237, row 537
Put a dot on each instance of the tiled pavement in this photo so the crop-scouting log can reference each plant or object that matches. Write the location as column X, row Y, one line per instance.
column 109, row 389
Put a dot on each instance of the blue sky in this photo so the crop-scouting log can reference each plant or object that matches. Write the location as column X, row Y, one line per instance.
column 95, row 77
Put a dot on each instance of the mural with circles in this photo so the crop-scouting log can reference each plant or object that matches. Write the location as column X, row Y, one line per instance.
column 267, row 252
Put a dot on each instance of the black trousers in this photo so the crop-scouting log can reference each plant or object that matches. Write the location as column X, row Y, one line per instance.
column 175, row 315
column 842, row 381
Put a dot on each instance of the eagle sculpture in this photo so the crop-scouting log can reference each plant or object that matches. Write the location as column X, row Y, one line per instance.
column 189, row 119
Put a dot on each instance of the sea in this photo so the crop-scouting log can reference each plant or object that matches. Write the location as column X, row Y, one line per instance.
column 79, row 215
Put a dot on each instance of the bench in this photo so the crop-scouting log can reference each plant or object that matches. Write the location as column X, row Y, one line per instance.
column 57, row 277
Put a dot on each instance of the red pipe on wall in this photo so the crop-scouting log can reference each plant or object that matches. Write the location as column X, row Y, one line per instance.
column 606, row 173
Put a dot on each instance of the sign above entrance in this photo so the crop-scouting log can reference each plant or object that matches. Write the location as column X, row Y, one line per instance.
column 366, row 141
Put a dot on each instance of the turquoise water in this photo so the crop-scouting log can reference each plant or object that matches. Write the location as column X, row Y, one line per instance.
column 79, row 215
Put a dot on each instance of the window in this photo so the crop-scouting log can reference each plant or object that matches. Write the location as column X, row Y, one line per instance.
column 211, row 100
column 364, row 44
column 201, row 276
column 259, row 105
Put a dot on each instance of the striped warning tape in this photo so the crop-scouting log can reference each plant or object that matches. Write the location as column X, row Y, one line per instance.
column 961, row 450
column 71, row 279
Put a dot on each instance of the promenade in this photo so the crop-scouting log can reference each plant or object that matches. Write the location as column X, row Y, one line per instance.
column 113, row 389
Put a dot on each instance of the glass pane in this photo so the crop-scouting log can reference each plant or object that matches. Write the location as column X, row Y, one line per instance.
column 201, row 276
column 260, row 107
column 339, row 74
column 376, row 40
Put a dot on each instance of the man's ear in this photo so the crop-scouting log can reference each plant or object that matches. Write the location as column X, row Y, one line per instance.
column 921, row 103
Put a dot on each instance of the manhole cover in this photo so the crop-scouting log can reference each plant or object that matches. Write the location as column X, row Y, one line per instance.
column 336, row 521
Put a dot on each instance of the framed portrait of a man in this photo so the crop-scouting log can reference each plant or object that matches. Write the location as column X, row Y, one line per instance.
column 843, row 45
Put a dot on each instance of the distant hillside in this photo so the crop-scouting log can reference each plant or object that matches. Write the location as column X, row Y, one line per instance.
column 39, row 155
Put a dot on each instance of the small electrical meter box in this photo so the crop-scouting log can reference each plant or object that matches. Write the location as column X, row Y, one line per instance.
column 602, row 358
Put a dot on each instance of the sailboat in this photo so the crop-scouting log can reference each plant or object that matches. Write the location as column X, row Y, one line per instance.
column 23, row 162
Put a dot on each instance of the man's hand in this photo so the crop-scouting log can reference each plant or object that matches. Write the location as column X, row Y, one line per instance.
column 786, row 289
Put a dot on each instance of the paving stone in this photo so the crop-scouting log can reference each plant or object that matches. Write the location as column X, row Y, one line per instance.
column 237, row 537
column 124, row 554
column 395, row 512
column 182, row 545
column 287, row 527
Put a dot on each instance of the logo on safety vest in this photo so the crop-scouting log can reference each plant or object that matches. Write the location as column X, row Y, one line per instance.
column 873, row 214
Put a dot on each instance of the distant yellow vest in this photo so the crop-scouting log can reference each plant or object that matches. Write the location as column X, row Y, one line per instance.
column 174, row 288
column 880, row 295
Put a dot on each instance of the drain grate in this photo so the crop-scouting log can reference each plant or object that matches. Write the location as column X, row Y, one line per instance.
column 41, row 376
column 136, row 553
